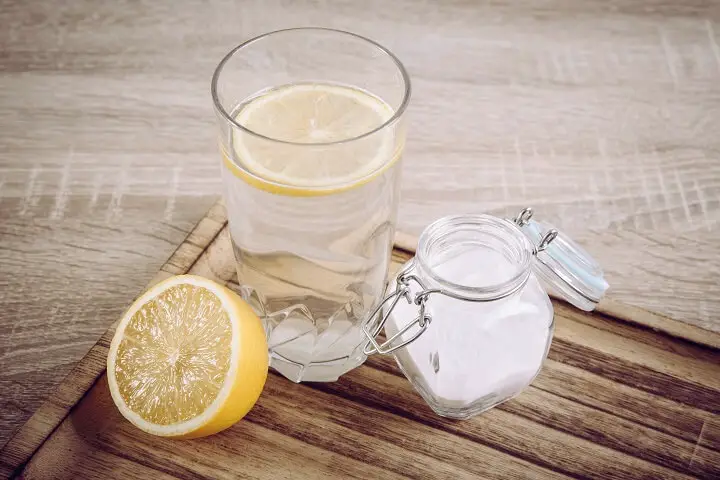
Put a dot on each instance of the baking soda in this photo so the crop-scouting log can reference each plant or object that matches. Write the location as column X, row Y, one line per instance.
column 474, row 350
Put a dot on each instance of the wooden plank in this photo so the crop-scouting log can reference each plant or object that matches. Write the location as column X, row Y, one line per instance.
column 614, row 400
column 628, row 402
column 96, row 430
column 545, row 446
column 660, row 323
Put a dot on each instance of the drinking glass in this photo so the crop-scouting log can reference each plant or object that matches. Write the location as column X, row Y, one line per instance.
column 311, row 132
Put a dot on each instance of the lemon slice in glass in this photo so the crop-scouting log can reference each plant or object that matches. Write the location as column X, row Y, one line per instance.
column 312, row 139
column 188, row 359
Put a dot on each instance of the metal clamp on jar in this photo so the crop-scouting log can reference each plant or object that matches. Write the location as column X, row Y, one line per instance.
column 476, row 321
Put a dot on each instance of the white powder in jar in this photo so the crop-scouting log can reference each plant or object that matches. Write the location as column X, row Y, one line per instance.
column 473, row 350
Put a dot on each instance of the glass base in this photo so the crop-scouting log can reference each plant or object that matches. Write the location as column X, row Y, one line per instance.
column 310, row 341
column 328, row 371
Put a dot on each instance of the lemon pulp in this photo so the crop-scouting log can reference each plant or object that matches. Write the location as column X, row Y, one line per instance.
column 174, row 356
column 188, row 359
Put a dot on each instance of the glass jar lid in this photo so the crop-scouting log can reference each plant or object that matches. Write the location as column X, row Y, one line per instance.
column 563, row 267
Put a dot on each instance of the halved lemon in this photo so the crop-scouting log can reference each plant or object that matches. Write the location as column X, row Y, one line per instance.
column 188, row 359
column 314, row 139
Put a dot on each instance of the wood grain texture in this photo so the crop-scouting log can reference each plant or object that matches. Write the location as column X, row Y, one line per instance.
column 613, row 400
column 604, row 116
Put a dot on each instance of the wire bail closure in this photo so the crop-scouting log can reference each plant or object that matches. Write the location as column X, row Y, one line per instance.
column 402, row 290
column 423, row 319
column 523, row 218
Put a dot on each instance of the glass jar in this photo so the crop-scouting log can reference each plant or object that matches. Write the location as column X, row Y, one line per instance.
column 477, row 323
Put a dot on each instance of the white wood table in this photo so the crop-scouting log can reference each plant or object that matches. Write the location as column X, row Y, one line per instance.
column 604, row 116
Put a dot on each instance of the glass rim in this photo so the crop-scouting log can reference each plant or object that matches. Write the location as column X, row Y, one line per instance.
column 393, row 119
column 449, row 224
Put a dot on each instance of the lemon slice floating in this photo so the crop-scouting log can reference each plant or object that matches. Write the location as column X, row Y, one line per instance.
column 320, row 142
column 188, row 359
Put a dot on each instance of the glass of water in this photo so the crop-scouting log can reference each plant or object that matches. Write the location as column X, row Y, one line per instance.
column 311, row 137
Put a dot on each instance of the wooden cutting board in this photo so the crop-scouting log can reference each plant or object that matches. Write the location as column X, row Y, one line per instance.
column 624, row 394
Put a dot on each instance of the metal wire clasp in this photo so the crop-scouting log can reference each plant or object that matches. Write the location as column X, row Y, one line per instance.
column 371, row 328
column 523, row 218
column 402, row 290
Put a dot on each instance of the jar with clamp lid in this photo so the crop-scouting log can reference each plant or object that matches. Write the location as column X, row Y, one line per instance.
column 469, row 319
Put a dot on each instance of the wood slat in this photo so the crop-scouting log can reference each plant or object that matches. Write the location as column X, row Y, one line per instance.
column 614, row 400
column 605, row 420
column 501, row 430
column 251, row 450
column 584, row 387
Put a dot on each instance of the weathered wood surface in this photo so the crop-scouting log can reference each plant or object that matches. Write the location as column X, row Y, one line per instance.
column 614, row 400
column 602, row 115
